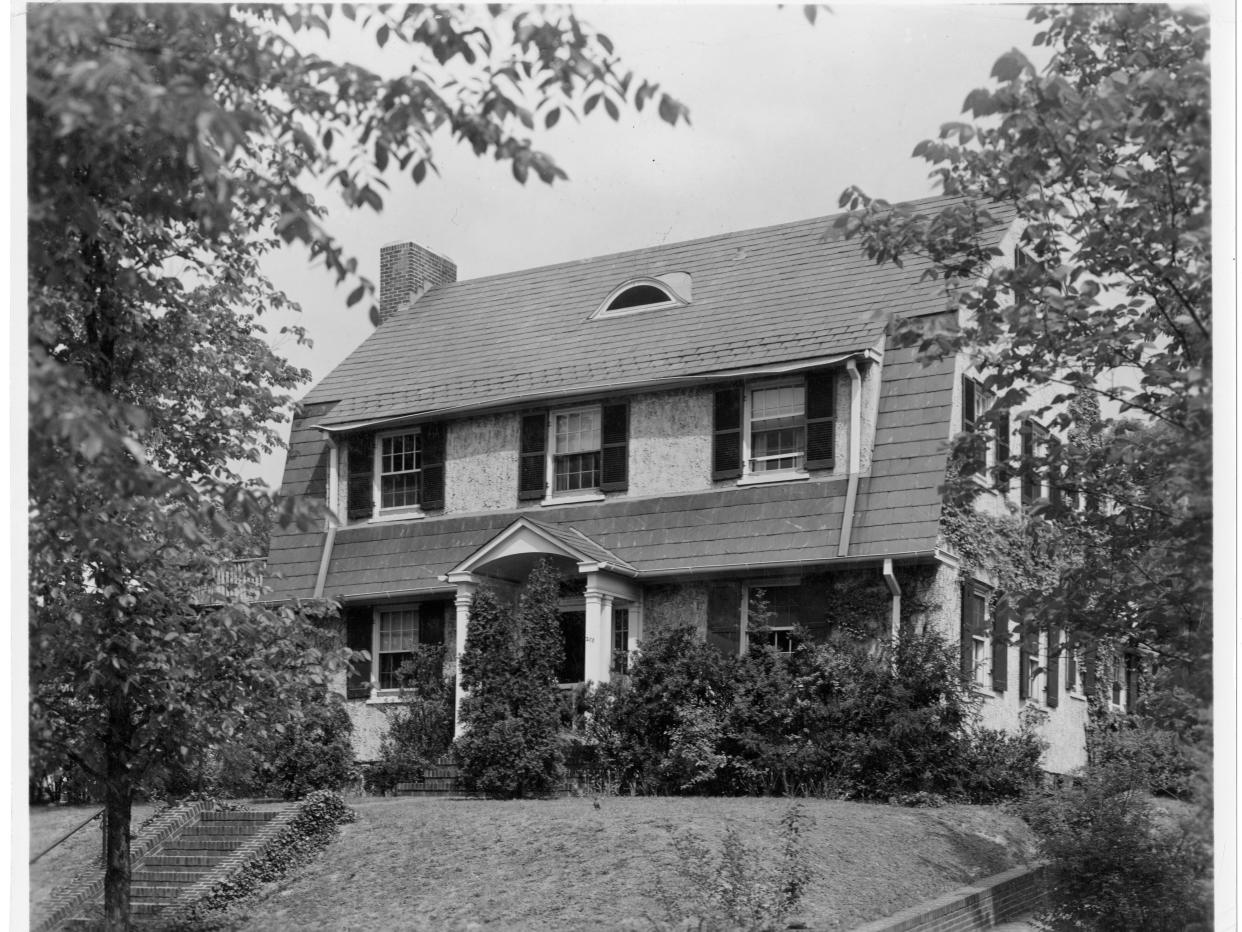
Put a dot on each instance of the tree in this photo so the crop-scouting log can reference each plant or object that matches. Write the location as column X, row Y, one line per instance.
column 510, row 747
column 168, row 147
column 1103, row 159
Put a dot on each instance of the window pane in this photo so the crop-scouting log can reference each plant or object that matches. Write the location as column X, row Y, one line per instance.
column 398, row 630
column 389, row 667
column 400, row 462
column 786, row 401
column 577, row 471
column 577, row 431
column 400, row 491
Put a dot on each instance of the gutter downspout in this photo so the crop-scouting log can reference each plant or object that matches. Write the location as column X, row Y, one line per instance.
column 895, row 590
column 855, row 461
column 334, row 456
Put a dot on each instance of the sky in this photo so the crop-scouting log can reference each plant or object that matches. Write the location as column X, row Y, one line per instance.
column 784, row 117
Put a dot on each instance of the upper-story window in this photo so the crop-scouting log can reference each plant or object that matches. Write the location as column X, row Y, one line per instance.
column 576, row 449
column 774, row 430
column 574, row 453
column 399, row 462
column 976, row 403
column 1034, row 445
column 667, row 290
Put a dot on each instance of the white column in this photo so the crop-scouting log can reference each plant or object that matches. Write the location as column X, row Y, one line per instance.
column 465, row 596
column 598, row 634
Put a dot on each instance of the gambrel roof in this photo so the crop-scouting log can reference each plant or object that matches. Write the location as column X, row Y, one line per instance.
column 773, row 295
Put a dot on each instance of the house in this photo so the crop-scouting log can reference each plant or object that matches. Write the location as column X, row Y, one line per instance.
column 674, row 428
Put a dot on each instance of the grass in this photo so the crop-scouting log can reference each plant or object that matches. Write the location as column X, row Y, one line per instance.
column 79, row 852
column 564, row 865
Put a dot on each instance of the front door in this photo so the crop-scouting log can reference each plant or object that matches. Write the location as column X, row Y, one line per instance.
column 573, row 636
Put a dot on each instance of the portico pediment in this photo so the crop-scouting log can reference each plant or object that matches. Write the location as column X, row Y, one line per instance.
column 525, row 540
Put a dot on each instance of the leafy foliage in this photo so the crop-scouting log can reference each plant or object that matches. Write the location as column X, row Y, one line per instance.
column 420, row 730
column 511, row 746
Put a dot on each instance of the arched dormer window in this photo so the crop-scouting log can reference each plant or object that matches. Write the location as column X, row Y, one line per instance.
column 646, row 294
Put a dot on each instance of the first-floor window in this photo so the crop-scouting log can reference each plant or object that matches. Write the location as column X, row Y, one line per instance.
column 777, row 627
column 400, row 470
column 1118, row 684
column 975, row 620
column 398, row 636
column 620, row 640
column 777, row 428
column 575, row 450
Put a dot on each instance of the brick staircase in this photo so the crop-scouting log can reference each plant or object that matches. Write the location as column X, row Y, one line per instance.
column 439, row 779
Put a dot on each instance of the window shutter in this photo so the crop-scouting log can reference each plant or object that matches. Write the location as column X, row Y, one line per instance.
column 1089, row 661
column 815, row 597
column 821, row 419
column 968, row 405
column 1071, row 666
column 532, row 470
column 431, row 489
column 1052, row 689
column 358, row 627
column 1132, row 683
column 1024, row 667
column 431, row 623
column 727, row 433
column 1002, row 451
column 1000, row 646
column 360, row 453
column 614, row 447
column 724, row 618
column 1030, row 480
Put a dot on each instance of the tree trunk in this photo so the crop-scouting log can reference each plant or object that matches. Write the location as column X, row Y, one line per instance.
column 118, row 806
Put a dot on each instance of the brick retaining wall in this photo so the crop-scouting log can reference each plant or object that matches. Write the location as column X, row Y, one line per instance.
column 979, row 906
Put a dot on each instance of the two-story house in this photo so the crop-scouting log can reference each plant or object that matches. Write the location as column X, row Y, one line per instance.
column 673, row 428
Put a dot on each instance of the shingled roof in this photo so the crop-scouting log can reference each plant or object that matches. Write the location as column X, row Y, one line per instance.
column 760, row 297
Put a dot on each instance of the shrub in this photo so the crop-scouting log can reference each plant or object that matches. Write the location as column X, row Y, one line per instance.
column 1159, row 759
column 511, row 746
column 421, row 730
column 313, row 753
column 1000, row 765
column 1118, row 864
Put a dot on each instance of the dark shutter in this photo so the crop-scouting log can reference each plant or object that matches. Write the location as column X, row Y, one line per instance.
column 1132, row 682
column 727, row 433
column 358, row 626
column 431, row 623
column 1024, row 665
column 1002, row 451
column 532, row 469
column 1052, row 688
column 431, row 492
column 1000, row 646
column 614, row 447
column 968, row 404
column 814, row 599
column 1090, row 659
column 1030, row 479
column 724, row 618
column 821, row 419
column 360, row 452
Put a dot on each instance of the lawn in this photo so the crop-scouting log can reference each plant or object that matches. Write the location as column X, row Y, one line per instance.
column 565, row 865
column 79, row 852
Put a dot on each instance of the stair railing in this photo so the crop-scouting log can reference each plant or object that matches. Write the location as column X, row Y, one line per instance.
column 66, row 836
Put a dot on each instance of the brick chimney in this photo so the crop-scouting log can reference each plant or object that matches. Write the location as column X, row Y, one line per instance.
column 406, row 271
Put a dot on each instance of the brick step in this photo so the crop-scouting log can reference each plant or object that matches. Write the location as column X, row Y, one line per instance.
column 183, row 860
column 195, row 844
column 154, row 893
column 264, row 815
column 182, row 875
column 222, row 829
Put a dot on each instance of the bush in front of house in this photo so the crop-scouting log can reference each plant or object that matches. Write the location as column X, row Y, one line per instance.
column 313, row 753
column 511, row 746
column 420, row 731
column 838, row 718
column 1118, row 860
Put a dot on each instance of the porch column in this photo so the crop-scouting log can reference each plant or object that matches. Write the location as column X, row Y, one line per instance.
column 465, row 596
column 598, row 635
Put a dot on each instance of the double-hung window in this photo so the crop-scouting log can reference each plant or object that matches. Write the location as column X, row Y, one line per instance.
column 576, row 450
column 777, row 428
column 398, row 636
column 783, row 604
column 976, row 637
column 399, row 467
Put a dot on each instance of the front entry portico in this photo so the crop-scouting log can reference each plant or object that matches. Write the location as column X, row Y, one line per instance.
column 505, row 562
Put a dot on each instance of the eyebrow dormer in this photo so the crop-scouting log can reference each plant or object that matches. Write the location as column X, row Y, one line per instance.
column 646, row 293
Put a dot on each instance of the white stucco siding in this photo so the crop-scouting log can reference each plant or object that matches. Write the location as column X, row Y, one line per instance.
column 670, row 442
column 481, row 468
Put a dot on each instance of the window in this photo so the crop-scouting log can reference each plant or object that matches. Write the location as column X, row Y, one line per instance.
column 1117, row 685
column 777, row 428
column 1028, row 666
column 573, row 636
column 398, row 636
column 1034, row 439
column 1073, row 683
column 976, row 643
column 977, row 402
column 575, row 450
column 399, row 470
column 620, row 640
column 667, row 290
column 639, row 296
column 783, row 604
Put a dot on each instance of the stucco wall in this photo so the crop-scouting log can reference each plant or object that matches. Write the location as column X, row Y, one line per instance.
column 480, row 472
column 666, row 606
column 670, row 442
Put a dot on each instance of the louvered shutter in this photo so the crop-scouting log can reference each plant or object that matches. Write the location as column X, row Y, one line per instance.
column 1024, row 666
column 1000, row 646
column 358, row 627
column 431, row 623
column 821, row 419
column 614, row 447
column 814, row 599
column 727, row 433
column 532, row 469
column 360, row 453
column 724, row 618
column 1052, row 688
column 1002, row 451
column 431, row 488
column 968, row 405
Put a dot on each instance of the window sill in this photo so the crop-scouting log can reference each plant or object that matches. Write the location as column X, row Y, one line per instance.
column 577, row 498
column 768, row 478
column 1075, row 695
column 386, row 698
column 414, row 515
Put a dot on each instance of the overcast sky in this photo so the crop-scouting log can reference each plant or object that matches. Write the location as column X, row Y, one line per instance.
column 785, row 116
